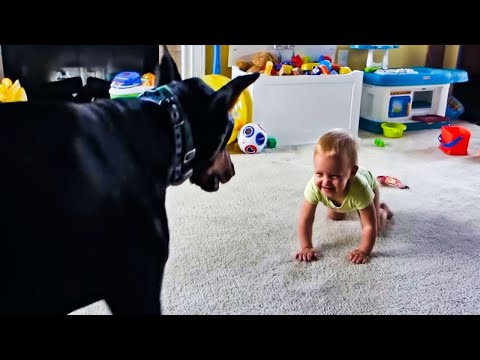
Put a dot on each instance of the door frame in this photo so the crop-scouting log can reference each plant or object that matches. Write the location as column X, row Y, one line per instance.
column 193, row 61
column 435, row 56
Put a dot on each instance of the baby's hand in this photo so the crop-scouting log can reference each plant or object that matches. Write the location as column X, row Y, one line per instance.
column 307, row 254
column 357, row 257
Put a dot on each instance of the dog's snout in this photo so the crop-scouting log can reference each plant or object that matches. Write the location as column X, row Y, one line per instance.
column 228, row 172
column 220, row 172
column 225, row 177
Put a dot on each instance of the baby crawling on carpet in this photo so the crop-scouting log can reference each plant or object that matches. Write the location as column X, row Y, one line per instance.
column 342, row 186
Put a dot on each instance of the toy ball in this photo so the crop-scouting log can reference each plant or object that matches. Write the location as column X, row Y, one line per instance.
column 240, row 111
column 252, row 138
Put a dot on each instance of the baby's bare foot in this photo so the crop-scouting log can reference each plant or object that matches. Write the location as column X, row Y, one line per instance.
column 387, row 209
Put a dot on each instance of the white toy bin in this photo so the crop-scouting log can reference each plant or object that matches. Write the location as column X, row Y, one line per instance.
column 296, row 110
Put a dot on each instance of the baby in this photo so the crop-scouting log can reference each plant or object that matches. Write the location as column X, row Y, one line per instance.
column 342, row 186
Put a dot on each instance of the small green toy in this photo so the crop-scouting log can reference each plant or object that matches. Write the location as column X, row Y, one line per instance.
column 271, row 143
column 379, row 142
column 371, row 69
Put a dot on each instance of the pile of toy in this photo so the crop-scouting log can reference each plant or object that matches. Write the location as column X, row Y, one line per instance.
column 269, row 64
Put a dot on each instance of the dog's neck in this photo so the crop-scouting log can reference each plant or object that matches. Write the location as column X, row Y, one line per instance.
column 184, row 153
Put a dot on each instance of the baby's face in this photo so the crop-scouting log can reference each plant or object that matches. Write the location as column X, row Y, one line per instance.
column 332, row 174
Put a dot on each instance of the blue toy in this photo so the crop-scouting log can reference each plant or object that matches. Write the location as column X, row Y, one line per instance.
column 216, row 60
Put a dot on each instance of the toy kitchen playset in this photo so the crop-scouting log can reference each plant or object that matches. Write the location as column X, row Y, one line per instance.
column 418, row 97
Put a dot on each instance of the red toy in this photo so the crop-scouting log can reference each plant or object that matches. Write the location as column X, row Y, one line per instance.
column 391, row 181
column 297, row 61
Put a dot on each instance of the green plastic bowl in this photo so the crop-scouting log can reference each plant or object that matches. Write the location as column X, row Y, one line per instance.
column 393, row 130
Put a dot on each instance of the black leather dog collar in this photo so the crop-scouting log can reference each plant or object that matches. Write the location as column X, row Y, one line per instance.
column 181, row 168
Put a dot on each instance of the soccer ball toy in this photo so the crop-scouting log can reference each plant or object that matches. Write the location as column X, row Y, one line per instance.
column 251, row 138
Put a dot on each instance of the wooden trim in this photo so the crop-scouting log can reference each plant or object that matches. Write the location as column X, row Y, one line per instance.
column 435, row 56
column 459, row 56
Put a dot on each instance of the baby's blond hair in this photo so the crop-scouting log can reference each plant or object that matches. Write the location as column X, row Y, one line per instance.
column 338, row 142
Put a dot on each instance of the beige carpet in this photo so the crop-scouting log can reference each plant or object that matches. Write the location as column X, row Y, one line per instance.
column 232, row 251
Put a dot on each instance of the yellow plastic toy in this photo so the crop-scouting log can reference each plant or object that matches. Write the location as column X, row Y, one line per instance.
column 268, row 68
column 11, row 92
column 309, row 66
column 241, row 111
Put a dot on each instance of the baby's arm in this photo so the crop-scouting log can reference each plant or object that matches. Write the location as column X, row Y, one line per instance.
column 305, row 224
column 368, row 219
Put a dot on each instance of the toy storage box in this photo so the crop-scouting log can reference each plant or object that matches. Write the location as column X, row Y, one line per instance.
column 296, row 110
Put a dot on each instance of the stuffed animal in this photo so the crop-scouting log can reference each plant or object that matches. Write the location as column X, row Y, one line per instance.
column 257, row 65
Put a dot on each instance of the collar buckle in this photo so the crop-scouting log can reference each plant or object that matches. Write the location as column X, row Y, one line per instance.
column 189, row 156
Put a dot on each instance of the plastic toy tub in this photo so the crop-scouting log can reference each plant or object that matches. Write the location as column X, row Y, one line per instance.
column 393, row 130
column 454, row 140
column 127, row 79
column 127, row 84
column 132, row 92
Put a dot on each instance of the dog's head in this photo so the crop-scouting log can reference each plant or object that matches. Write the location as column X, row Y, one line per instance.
column 208, row 113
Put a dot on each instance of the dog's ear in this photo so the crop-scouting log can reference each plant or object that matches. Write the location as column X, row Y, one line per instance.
column 167, row 70
column 227, row 95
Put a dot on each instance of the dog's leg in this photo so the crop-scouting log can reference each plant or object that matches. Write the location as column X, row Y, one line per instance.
column 128, row 303
column 136, row 287
column 139, row 294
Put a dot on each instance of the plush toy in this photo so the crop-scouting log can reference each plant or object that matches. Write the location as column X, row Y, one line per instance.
column 259, row 60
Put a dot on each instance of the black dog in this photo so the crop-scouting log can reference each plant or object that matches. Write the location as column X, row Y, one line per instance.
column 82, row 191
